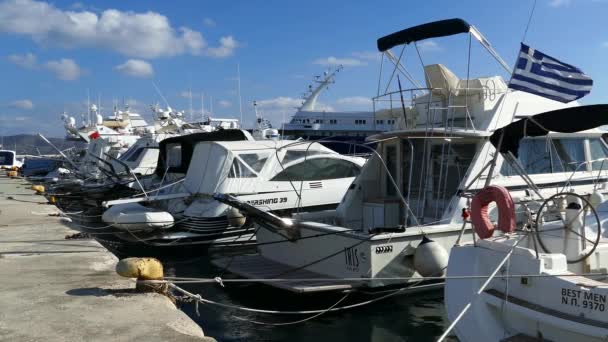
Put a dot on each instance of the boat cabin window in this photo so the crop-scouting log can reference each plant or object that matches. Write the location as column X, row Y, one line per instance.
column 240, row 170
column 456, row 159
column 293, row 155
column 255, row 160
column 174, row 155
column 133, row 155
column 430, row 180
column 544, row 155
column 318, row 169
column 6, row 158
column 599, row 153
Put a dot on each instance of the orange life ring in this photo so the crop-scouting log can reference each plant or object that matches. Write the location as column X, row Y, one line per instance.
column 479, row 211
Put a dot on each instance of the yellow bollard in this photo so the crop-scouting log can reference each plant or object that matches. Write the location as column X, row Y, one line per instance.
column 52, row 200
column 38, row 188
column 12, row 174
column 140, row 268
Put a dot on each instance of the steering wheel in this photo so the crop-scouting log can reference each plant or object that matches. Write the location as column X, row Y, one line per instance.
column 551, row 206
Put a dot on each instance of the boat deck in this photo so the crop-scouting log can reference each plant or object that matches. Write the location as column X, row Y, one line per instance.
column 295, row 280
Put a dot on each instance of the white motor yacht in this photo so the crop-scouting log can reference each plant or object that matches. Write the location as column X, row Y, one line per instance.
column 543, row 278
column 404, row 212
column 281, row 176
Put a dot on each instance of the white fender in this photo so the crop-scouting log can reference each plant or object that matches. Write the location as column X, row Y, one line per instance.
column 430, row 258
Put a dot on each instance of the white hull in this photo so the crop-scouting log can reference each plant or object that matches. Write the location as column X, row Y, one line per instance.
column 549, row 302
column 336, row 253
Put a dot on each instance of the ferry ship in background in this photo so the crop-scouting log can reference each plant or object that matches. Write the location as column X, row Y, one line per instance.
column 338, row 128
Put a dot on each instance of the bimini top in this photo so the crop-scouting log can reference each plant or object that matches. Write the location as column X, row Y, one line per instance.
column 435, row 29
column 187, row 142
column 567, row 120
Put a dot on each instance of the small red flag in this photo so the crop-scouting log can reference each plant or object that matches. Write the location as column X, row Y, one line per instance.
column 94, row 135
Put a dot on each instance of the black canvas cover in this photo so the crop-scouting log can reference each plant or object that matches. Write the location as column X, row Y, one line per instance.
column 567, row 120
column 435, row 29
column 188, row 142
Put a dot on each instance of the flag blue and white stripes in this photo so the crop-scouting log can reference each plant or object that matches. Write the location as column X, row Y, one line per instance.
column 545, row 76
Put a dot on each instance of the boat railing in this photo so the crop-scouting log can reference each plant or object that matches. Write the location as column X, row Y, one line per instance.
column 445, row 107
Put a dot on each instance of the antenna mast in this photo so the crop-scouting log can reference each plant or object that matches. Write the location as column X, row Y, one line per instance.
column 202, row 106
column 210, row 105
column 238, row 70
column 88, row 106
column 190, row 98
column 313, row 94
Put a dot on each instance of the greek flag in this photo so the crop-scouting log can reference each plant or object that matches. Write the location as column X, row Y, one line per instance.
column 545, row 76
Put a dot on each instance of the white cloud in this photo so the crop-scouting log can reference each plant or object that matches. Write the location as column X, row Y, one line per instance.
column 64, row 69
column 354, row 101
column 429, row 46
column 559, row 3
column 334, row 61
column 132, row 102
column 135, row 34
column 368, row 55
column 281, row 102
column 27, row 60
column 226, row 48
column 187, row 94
column 22, row 104
column 77, row 5
column 209, row 22
column 225, row 103
column 136, row 68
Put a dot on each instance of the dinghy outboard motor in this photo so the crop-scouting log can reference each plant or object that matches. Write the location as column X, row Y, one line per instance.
column 430, row 258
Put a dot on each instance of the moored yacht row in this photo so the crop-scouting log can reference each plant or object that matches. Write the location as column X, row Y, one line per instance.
column 441, row 165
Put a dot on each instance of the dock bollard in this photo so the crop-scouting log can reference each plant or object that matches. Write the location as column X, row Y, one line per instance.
column 143, row 269
column 38, row 188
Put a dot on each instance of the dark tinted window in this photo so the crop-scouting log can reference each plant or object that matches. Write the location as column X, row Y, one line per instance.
column 135, row 155
column 6, row 158
column 318, row 169
column 293, row 155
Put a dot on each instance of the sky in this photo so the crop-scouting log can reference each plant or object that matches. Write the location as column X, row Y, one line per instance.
column 55, row 53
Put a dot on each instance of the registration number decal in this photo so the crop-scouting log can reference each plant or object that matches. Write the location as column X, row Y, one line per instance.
column 584, row 299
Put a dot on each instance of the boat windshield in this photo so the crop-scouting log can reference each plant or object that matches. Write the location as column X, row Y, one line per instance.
column 6, row 158
column 557, row 155
column 292, row 155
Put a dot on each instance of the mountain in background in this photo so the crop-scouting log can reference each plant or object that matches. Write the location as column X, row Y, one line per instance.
column 34, row 145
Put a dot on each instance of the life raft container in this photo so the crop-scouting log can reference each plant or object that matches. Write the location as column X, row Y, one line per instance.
column 479, row 211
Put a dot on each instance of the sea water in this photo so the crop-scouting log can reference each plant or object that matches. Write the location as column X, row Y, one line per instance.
column 404, row 317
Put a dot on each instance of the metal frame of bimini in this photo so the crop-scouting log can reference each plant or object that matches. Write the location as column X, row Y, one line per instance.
column 438, row 115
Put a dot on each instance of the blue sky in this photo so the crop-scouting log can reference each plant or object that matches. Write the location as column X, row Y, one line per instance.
column 52, row 53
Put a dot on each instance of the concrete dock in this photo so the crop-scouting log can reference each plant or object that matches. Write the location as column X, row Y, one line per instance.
column 53, row 289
